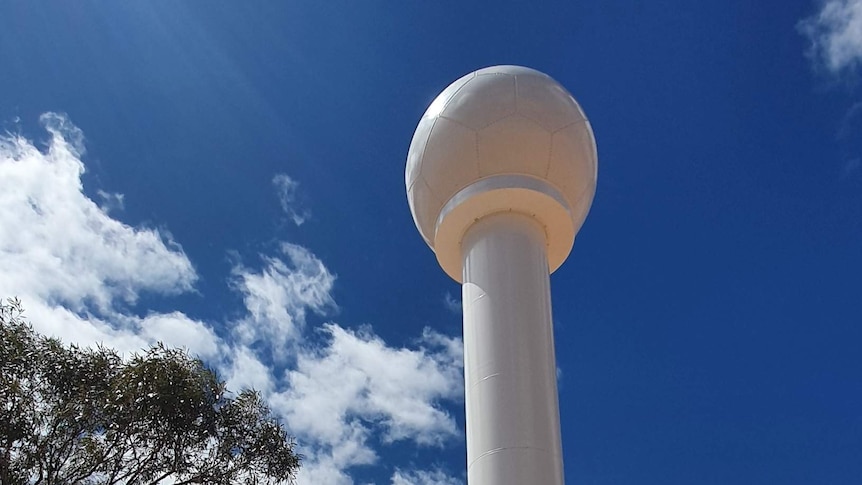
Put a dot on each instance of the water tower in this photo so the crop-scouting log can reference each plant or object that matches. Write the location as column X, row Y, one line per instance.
column 500, row 176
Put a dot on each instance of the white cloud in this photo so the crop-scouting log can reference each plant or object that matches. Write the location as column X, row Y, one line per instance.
column 423, row 477
column 322, row 470
column 57, row 245
column 286, row 188
column 452, row 349
column 181, row 331
column 71, row 327
column 835, row 36
column 76, row 268
column 341, row 394
column 278, row 297
column 72, row 264
column 451, row 303
column 246, row 371
column 357, row 376
column 111, row 201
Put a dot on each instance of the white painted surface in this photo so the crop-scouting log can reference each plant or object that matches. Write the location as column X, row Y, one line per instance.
column 501, row 120
column 504, row 193
column 500, row 176
column 513, row 424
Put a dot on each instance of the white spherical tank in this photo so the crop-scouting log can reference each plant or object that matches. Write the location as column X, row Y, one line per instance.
column 503, row 138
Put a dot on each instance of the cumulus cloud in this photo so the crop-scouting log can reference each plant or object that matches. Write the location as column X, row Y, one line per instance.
column 355, row 387
column 286, row 189
column 423, row 477
column 59, row 246
column 180, row 331
column 71, row 262
column 343, row 396
column 835, row 36
column 343, row 393
column 245, row 370
column 71, row 327
column 358, row 377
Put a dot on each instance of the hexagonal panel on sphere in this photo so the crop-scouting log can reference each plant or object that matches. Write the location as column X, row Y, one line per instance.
column 573, row 160
column 417, row 150
column 548, row 105
column 442, row 99
column 482, row 101
column 425, row 207
column 450, row 158
column 514, row 145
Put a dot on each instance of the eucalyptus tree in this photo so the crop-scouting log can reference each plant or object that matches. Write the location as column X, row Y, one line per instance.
column 76, row 415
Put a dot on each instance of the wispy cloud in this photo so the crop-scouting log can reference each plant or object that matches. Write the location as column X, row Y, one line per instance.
column 835, row 50
column 287, row 190
column 278, row 296
column 423, row 477
column 452, row 303
column 835, row 37
column 343, row 392
column 111, row 201
column 851, row 124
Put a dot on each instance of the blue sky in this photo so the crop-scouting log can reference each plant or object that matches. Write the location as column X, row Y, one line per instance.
column 228, row 176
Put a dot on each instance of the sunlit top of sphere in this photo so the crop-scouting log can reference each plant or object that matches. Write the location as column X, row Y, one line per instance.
column 501, row 120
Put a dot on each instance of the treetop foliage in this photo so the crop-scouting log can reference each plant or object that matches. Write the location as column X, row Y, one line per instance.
column 73, row 415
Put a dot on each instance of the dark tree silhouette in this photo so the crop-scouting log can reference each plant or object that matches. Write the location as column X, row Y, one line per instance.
column 71, row 415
